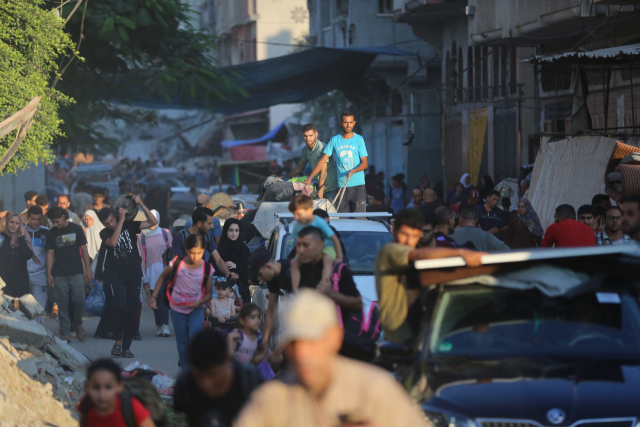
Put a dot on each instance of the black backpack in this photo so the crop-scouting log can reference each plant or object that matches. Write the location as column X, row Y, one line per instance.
column 168, row 255
column 142, row 390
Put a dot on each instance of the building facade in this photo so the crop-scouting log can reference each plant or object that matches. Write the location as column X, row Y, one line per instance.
column 493, row 100
column 398, row 117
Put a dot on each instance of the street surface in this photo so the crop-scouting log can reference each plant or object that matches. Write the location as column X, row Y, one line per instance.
column 161, row 354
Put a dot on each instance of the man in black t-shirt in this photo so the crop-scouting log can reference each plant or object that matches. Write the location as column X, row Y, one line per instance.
column 216, row 388
column 68, row 269
column 277, row 275
column 123, row 271
column 309, row 246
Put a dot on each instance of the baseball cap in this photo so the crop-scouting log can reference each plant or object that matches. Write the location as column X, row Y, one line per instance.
column 257, row 260
column 474, row 196
column 308, row 315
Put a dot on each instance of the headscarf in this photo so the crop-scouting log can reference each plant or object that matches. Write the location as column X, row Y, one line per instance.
column 234, row 250
column 15, row 236
column 153, row 231
column 487, row 188
column 93, row 234
column 466, row 186
column 530, row 219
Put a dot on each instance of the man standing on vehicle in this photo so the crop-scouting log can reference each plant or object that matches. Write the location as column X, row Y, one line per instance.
column 204, row 201
column 398, row 294
column 202, row 220
column 566, row 232
column 322, row 388
column 612, row 234
column 312, row 153
column 351, row 158
column 123, row 271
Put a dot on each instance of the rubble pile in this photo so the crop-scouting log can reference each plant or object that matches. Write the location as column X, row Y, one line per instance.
column 41, row 377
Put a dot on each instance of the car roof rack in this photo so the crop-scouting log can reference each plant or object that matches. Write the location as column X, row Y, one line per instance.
column 288, row 215
column 530, row 255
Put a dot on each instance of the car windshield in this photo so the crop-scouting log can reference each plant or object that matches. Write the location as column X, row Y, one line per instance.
column 362, row 248
column 483, row 322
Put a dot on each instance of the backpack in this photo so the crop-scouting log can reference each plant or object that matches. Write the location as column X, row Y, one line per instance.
column 168, row 255
column 361, row 328
column 177, row 262
column 165, row 235
column 142, row 390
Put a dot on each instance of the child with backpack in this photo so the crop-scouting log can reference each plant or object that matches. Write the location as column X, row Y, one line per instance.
column 246, row 344
column 107, row 403
column 190, row 282
column 223, row 306
column 152, row 243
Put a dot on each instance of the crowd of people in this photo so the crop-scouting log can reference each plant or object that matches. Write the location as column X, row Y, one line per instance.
column 200, row 279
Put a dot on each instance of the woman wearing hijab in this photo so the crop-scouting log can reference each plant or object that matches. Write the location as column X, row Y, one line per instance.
column 15, row 251
column 236, row 255
column 524, row 229
column 486, row 187
column 467, row 187
column 152, row 243
column 92, row 230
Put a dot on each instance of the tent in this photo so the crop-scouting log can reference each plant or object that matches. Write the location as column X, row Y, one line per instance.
column 570, row 171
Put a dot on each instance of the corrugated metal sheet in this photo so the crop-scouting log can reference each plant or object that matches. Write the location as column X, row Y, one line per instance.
column 632, row 50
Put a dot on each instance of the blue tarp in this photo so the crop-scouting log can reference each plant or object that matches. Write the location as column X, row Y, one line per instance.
column 227, row 143
column 295, row 78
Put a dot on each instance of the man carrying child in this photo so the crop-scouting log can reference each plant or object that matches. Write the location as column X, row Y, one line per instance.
column 302, row 208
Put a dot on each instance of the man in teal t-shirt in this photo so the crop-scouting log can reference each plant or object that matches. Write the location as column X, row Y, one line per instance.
column 350, row 154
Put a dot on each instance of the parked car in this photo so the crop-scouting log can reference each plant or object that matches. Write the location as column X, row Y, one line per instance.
column 546, row 337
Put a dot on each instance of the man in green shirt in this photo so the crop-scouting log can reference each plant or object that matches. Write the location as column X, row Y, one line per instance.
column 312, row 153
column 397, row 296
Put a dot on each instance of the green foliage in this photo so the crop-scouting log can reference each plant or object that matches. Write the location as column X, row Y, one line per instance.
column 325, row 108
column 133, row 48
column 31, row 41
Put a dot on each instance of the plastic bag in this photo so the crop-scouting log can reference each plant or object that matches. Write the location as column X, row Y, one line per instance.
column 163, row 384
column 95, row 301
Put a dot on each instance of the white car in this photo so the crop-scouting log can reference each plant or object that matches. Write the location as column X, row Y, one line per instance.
column 362, row 239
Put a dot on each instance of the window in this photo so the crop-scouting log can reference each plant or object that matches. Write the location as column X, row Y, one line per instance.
column 469, row 73
column 385, row 6
column 477, row 67
column 342, row 7
column 485, row 72
column 495, row 53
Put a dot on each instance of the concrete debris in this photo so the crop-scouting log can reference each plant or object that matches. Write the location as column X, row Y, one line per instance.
column 30, row 307
column 41, row 377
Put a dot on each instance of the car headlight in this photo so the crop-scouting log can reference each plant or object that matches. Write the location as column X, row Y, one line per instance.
column 448, row 419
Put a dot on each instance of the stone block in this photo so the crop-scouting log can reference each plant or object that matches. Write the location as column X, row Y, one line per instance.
column 30, row 307
column 23, row 331
column 67, row 355
column 29, row 366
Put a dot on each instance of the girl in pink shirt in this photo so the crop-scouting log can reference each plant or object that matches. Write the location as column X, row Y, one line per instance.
column 189, row 290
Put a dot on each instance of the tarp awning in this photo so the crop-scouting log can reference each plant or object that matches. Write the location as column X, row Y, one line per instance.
column 294, row 78
column 631, row 51
column 269, row 136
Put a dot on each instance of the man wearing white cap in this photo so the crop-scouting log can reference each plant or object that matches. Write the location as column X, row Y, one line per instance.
column 322, row 388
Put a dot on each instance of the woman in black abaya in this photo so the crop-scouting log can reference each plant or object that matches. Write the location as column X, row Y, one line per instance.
column 235, row 253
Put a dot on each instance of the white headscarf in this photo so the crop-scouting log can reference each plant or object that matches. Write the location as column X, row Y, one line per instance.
column 462, row 180
column 93, row 234
column 153, row 231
